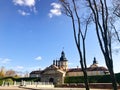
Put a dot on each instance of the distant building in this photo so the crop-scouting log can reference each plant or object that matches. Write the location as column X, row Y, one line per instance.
column 59, row 69
column 35, row 73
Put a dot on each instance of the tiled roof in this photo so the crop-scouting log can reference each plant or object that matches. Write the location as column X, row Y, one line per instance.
column 75, row 70
column 97, row 69
column 88, row 69
column 36, row 72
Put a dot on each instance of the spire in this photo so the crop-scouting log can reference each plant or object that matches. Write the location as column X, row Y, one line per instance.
column 95, row 61
column 63, row 58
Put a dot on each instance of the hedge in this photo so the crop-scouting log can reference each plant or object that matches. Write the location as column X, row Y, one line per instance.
column 92, row 79
column 26, row 79
column 77, row 79
column 10, row 80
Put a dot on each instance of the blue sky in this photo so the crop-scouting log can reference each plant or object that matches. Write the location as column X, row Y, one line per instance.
column 34, row 32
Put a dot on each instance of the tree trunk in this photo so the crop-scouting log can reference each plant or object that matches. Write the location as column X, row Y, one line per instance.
column 114, row 84
column 113, row 78
column 86, row 80
column 111, row 71
column 85, row 76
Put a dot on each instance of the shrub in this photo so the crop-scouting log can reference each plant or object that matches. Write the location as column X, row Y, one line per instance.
column 118, row 78
column 9, row 81
column 1, row 82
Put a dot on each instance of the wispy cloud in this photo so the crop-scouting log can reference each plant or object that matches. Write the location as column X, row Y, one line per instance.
column 23, row 13
column 29, row 4
column 55, row 11
column 38, row 58
column 19, row 67
column 5, row 60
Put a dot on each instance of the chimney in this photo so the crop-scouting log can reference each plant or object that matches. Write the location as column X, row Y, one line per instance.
column 53, row 62
column 56, row 63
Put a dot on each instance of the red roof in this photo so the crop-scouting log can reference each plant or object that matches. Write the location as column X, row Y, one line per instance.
column 88, row 69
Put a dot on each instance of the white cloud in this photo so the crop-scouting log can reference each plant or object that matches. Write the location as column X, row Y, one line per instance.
column 56, row 5
column 38, row 58
column 5, row 60
column 23, row 13
column 55, row 11
column 28, row 6
column 29, row 3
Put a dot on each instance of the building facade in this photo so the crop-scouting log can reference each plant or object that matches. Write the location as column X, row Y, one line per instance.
column 59, row 70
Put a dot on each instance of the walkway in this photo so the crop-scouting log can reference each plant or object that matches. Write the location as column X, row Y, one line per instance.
column 11, row 88
column 26, row 88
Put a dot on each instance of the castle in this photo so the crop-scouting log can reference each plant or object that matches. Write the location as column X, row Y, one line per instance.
column 59, row 69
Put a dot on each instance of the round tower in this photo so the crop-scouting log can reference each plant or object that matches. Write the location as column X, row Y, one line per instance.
column 63, row 62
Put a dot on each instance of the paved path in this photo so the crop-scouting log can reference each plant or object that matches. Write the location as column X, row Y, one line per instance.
column 11, row 88
column 17, row 88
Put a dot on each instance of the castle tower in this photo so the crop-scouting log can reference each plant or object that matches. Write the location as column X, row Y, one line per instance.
column 95, row 63
column 63, row 62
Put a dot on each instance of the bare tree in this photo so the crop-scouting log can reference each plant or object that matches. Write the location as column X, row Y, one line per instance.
column 2, row 72
column 116, row 12
column 116, row 7
column 11, row 73
column 71, row 9
column 100, row 13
